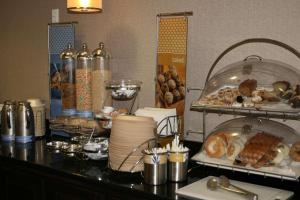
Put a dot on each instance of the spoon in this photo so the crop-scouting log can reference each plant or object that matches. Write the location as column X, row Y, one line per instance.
column 224, row 181
column 91, row 135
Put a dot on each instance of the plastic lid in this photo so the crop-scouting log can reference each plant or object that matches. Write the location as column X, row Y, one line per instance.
column 35, row 102
column 264, row 71
column 9, row 102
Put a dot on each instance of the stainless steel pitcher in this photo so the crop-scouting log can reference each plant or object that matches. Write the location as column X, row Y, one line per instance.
column 24, row 122
column 8, row 121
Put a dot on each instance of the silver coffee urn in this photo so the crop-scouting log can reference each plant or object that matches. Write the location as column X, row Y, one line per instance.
column 8, row 121
column 24, row 122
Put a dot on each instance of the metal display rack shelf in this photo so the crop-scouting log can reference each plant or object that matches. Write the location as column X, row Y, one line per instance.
column 253, row 112
column 248, row 171
column 249, row 111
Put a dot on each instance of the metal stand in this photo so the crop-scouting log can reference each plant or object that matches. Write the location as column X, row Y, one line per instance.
column 279, row 114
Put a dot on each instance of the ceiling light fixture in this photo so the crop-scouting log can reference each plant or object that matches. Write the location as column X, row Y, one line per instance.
column 84, row 6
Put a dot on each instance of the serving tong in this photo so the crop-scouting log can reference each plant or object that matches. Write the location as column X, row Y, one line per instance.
column 224, row 183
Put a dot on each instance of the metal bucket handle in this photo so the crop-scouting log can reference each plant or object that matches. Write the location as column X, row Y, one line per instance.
column 133, row 151
column 176, row 119
column 247, row 41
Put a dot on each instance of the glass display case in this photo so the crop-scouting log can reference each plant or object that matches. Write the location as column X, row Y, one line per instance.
column 253, row 145
column 259, row 89
column 253, row 86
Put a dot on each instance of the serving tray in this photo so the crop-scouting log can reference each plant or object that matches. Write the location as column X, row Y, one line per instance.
column 198, row 190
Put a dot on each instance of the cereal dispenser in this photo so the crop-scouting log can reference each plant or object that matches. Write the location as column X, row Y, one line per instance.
column 84, row 83
column 101, row 73
column 68, row 89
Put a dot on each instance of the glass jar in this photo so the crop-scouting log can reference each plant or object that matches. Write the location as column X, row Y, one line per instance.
column 101, row 73
column 68, row 89
column 84, row 83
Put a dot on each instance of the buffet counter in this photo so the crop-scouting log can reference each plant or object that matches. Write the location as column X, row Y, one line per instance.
column 31, row 171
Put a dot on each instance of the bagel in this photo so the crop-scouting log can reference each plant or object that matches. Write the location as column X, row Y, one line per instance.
column 295, row 152
column 215, row 145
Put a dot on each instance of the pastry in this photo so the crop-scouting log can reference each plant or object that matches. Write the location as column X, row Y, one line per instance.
column 161, row 79
column 256, row 99
column 297, row 89
column 280, row 87
column 235, row 147
column 257, row 96
column 172, row 84
column 247, row 87
column 176, row 95
column 288, row 94
column 164, row 88
column 224, row 97
column 295, row 101
column 215, row 145
column 270, row 96
column 266, row 159
column 248, row 103
column 169, row 97
column 181, row 90
column 295, row 152
column 282, row 153
column 76, row 121
column 258, row 151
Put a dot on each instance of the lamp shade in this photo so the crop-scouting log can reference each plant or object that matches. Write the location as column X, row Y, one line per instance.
column 84, row 6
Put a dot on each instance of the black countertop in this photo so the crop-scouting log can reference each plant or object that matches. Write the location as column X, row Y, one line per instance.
column 37, row 156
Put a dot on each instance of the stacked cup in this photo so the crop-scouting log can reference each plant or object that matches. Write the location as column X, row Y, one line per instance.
column 129, row 136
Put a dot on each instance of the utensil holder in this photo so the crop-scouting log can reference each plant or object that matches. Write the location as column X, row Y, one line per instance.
column 155, row 168
column 177, row 166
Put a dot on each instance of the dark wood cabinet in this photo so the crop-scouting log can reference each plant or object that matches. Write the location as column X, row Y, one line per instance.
column 2, row 185
column 65, row 191
column 18, row 182
column 19, row 185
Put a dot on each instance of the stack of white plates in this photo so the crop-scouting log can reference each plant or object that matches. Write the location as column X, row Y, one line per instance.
column 127, row 133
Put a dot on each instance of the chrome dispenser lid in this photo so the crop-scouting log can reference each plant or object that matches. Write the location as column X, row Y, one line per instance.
column 84, row 52
column 68, row 53
column 100, row 52
column 24, row 103
column 9, row 102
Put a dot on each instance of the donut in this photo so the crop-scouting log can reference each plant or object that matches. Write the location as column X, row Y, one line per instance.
column 215, row 145
column 295, row 152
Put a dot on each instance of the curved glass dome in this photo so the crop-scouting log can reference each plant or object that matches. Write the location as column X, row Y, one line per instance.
column 249, row 126
column 266, row 72
column 253, row 81
column 254, row 145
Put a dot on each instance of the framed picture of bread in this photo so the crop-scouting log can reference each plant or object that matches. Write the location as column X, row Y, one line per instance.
column 171, row 63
